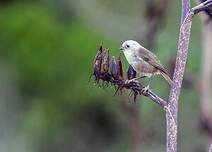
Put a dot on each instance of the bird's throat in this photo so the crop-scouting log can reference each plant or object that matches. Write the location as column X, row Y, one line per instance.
column 129, row 56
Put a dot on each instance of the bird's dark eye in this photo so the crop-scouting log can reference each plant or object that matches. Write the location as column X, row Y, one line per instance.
column 127, row 46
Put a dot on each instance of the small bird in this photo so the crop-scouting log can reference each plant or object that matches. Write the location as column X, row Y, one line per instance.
column 143, row 61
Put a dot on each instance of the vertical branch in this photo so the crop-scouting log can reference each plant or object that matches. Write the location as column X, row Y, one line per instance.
column 185, row 9
column 172, row 109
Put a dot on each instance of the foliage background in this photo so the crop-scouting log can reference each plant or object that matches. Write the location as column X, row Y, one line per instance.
column 46, row 100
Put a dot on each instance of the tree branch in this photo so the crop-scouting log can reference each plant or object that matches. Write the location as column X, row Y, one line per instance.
column 136, row 88
column 185, row 9
column 183, row 43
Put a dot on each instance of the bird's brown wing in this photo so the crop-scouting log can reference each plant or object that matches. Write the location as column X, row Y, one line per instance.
column 151, row 58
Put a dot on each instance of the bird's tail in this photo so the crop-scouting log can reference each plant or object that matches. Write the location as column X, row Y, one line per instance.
column 167, row 78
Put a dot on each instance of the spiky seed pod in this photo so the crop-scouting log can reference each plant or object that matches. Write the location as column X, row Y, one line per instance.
column 131, row 73
column 98, row 63
column 106, row 61
column 114, row 69
column 120, row 69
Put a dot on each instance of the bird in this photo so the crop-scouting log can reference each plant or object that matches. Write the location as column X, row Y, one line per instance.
column 143, row 61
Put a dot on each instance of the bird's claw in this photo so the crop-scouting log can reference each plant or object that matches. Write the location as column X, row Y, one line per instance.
column 145, row 89
column 131, row 80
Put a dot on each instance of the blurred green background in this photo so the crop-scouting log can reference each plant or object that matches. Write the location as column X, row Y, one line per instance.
column 47, row 103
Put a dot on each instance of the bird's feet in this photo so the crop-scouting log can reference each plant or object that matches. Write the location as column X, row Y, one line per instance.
column 145, row 89
column 131, row 80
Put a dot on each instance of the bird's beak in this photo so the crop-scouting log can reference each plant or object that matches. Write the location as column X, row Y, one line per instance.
column 121, row 48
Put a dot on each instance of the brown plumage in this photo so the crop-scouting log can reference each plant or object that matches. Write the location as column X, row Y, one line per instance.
column 152, row 64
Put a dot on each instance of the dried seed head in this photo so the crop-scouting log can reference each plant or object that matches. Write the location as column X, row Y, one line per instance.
column 114, row 69
column 98, row 63
column 100, row 49
column 106, row 61
column 131, row 73
column 120, row 69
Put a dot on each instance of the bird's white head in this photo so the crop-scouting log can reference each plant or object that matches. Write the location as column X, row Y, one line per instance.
column 130, row 45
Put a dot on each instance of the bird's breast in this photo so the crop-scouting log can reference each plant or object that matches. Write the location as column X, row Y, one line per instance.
column 129, row 56
column 139, row 65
